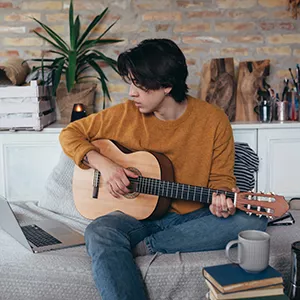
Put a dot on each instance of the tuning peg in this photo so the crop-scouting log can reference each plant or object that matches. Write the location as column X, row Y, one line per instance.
column 262, row 192
column 258, row 208
column 270, row 217
column 259, row 215
column 249, row 213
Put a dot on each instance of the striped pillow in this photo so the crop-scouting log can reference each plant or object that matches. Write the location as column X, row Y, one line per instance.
column 245, row 165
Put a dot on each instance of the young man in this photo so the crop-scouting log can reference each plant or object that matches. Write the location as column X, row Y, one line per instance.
column 194, row 135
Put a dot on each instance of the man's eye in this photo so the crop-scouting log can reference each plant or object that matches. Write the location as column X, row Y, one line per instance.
column 140, row 86
column 136, row 83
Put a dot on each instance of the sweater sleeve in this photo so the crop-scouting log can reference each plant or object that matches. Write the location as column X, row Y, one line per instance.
column 76, row 138
column 222, row 168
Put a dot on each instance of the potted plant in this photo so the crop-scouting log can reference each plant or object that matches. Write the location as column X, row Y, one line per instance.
column 74, row 58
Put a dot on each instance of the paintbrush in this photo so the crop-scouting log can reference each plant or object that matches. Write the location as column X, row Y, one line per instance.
column 285, row 89
column 298, row 78
column 293, row 78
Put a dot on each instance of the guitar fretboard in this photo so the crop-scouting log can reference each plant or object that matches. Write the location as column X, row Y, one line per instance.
column 175, row 190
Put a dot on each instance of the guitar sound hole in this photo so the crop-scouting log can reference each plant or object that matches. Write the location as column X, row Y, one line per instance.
column 132, row 187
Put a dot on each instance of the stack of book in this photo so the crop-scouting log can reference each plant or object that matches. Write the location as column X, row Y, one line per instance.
column 230, row 281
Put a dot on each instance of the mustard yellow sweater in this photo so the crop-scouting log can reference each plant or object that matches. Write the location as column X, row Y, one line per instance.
column 199, row 144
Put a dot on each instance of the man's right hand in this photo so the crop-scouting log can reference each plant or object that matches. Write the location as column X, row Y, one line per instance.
column 114, row 175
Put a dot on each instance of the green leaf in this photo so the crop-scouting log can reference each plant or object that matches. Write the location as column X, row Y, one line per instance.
column 43, row 73
column 83, row 45
column 96, row 56
column 104, row 91
column 97, row 40
column 92, row 43
column 71, row 70
column 57, row 61
column 96, row 20
column 81, row 68
column 54, row 36
column 71, row 25
column 57, row 52
column 77, row 30
column 50, row 42
column 95, row 66
column 41, row 59
column 102, row 78
column 109, row 27
column 57, row 76
column 111, row 62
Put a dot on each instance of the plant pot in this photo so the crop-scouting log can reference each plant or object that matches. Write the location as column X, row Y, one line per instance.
column 81, row 93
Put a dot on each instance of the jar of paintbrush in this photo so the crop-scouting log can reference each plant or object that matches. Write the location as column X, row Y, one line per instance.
column 282, row 110
column 293, row 96
column 265, row 110
column 282, row 107
column 293, row 104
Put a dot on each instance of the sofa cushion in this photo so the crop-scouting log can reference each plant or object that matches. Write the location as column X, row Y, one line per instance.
column 58, row 195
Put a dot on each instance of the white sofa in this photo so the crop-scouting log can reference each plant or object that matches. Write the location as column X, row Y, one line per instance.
column 66, row 274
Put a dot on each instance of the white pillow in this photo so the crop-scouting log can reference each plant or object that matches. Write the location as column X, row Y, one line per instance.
column 58, row 196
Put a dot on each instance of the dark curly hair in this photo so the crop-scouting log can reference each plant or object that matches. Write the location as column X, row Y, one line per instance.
column 155, row 64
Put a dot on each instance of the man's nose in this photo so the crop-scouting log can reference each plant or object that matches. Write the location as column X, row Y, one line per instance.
column 133, row 90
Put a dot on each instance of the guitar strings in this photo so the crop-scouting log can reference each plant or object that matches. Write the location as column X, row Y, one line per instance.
column 163, row 188
column 156, row 186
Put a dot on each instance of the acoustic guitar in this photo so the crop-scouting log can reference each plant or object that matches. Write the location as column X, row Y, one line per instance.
column 152, row 192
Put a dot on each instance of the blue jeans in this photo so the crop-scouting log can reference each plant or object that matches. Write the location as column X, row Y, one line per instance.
column 110, row 239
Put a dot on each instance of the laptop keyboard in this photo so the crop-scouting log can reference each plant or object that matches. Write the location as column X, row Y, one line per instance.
column 38, row 237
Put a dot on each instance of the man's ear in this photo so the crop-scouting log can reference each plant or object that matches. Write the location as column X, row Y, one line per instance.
column 167, row 90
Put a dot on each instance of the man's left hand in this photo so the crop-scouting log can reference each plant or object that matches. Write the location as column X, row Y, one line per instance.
column 221, row 206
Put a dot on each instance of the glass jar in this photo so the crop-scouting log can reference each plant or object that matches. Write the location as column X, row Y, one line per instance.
column 265, row 110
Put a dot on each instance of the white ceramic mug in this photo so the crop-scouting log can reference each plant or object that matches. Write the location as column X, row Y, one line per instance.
column 253, row 250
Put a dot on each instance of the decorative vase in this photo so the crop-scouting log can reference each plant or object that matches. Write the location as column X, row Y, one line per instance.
column 81, row 93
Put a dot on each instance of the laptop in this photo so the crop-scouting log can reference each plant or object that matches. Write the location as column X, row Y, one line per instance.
column 41, row 235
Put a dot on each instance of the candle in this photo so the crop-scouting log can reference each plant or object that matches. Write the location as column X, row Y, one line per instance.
column 78, row 112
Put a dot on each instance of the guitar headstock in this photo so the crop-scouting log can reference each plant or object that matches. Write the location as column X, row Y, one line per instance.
column 261, row 204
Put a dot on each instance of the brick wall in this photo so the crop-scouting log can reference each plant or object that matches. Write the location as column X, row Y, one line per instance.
column 204, row 29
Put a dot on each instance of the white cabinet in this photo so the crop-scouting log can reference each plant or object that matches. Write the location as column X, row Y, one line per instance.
column 279, row 152
column 27, row 158
column 278, row 148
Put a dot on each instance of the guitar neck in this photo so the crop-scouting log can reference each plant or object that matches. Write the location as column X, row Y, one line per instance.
column 175, row 190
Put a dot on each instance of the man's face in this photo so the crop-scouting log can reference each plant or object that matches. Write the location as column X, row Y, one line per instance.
column 146, row 101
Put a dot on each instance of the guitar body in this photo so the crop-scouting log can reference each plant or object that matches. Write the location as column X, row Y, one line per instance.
column 137, row 205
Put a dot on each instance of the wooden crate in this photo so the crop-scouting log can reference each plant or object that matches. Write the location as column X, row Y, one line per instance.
column 26, row 107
